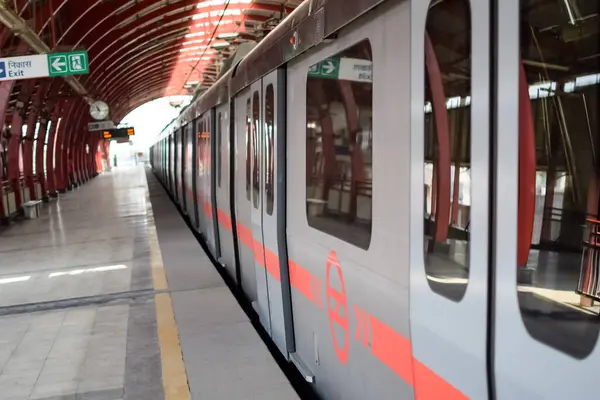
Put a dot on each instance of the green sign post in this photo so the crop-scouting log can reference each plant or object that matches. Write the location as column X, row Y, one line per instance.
column 71, row 63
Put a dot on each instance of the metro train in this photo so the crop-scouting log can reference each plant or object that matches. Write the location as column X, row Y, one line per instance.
column 321, row 170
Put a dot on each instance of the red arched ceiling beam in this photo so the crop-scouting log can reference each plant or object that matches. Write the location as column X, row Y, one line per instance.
column 132, row 104
column 140, row 80
column 139, row 100
column 116, row 37
column 166, row 69
column 173, row 48
column 142, row 91
column 150, row 61
column 88, row 16
column 151, row 58
column 164, row 15
column 132, row 46
column 147, row 54
column 146, row 85
column 43, row 17
column 136, row 54
column 118, row 34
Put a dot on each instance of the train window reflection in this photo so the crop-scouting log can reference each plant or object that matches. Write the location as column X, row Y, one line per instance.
column 447, row 169
column 255, row 150
column 339, row 145
column 558, row 244
column 248, row 127
column 269, row 148
column 218, row 149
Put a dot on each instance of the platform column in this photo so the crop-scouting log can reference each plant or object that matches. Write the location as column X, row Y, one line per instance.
column 62, row 148
column 53, row 147
column 527, row 172
column 76, row 175
column 356, row 154
column 442, row 158
column 14, row 144
column 329, row 167
column 32, row 119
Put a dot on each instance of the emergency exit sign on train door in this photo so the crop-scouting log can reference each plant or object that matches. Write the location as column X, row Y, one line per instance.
column 344, row 68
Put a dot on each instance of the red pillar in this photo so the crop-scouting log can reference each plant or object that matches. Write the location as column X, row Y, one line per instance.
column 41, row 147
column 14, row 144
column 81, row 159
column 440, row 114
column 32, row 119
column 527, row 169
column 329, row 163
column 5, row 91
column 61, row 148
column 39, row 141
column 75, row 175
column 53, row 148
column 356, row 154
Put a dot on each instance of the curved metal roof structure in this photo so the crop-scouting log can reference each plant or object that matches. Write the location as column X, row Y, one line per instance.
column 140, row 50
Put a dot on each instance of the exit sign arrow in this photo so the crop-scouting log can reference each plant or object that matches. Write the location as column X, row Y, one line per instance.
column 59, row 65
column 328, row 67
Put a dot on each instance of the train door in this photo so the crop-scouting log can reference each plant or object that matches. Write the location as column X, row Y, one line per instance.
column 225, row 231
column 184, row 169
column 546, row 202
column 252, row 282
column 208, row 180
column 201, row 133
column 190, row 167
column 256, row 210
column 177, row 171
column 172, row 164
column 180, row 168
column 449, row 252
column 215, row 239
column 268, row 223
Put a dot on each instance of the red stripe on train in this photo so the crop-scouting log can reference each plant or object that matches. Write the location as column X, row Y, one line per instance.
column 387, row 345
column 392, row 349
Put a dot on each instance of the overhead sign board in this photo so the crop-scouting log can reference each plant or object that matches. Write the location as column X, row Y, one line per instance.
column 44, row 65
column 100, row 126
column 71, row 63
column 24, row 67
column 118, row 133
column 344, row 68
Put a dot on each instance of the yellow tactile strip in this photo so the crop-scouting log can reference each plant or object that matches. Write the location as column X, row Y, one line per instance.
column 174, row 377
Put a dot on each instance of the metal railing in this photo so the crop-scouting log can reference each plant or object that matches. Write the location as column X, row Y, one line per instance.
column 589, row 282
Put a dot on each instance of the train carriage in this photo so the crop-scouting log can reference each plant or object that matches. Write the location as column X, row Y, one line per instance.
column 369, row 176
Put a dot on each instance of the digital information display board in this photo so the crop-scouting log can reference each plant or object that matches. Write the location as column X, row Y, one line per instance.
column 118, row 133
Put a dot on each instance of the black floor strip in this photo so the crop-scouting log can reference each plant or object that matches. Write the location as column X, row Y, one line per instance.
column 75, row 302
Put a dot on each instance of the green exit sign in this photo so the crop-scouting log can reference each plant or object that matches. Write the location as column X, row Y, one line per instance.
column 71, row 63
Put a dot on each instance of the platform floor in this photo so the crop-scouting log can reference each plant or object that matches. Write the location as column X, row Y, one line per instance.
column 108, row 296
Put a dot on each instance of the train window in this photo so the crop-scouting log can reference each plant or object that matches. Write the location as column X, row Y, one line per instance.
column 218, row 149
column 558, row 242
column 447, row 167
column 255, row 150
column 270, row 147
column 248, row 129
column 339, row 145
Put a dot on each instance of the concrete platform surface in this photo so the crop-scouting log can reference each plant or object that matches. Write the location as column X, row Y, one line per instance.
column 109, row 296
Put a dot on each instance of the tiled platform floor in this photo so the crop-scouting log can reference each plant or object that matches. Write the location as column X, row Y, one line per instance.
column 78, row 305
